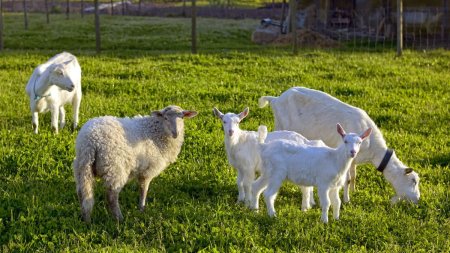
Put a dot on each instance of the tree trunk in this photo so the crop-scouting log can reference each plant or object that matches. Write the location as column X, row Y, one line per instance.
column 97, row 28
column 25, row 14
column 194, row 28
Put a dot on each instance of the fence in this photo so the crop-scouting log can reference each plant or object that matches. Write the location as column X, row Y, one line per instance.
column 372, row 28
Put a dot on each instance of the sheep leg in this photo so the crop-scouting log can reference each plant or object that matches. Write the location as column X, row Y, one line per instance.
column 62, row 117
column 35, row 122
column 55, row 114
column 335, row 202
column 257, row 188
column 143, row 185
column 270, row 194
column 113, row 203
column 84, row 179
column 248, row 180
column 306, row 197
column 352, row 171
column 76, row 110
column 324, row 203
column 240, row 185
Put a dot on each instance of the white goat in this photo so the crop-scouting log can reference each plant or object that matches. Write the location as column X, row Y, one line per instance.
column 243, row 153
column 311, row 113
column 52, row 85
column 305, row 165
column 120, row 149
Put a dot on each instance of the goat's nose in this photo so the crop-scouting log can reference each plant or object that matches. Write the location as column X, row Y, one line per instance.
column 230, row 132
column 353, row 153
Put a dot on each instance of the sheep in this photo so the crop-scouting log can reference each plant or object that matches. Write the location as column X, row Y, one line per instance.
column 52, row 85
column 305, row 165
column 243, row 153
column 311, row 112
column 120, row 149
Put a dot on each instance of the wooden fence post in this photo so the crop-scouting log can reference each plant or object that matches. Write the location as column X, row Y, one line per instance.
column 82, row 9
column 25, row 15
column 293, row 24
column 399, row 27
column 1, row 25
column 97, row 28
column 67, row 9
column 194, row 28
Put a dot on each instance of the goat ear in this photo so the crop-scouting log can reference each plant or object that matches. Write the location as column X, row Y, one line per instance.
column 217, row 113
column 366, row 133
column 244, row 113
column 189, row 114
column 157, row 113
column 340, row 130
column 408, row 171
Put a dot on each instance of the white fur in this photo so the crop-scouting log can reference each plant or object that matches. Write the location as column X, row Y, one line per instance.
column 120, row 149
column 243, row 153
column 312, row 113
column 305, row 165
column 53, row 85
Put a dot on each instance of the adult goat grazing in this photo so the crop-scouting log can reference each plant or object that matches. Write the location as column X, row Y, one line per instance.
column 53, row 85
column 312, row 113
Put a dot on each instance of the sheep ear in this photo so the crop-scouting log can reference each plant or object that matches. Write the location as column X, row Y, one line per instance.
column 189, row 114
column 366, row 133
column 244, row 113
column 340, row 130
column 217, row 113
column 157, row 113
column 408, row 171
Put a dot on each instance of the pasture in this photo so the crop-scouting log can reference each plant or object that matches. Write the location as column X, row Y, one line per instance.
column 146, row 65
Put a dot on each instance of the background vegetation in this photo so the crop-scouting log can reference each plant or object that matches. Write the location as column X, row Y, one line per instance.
column 146, row 65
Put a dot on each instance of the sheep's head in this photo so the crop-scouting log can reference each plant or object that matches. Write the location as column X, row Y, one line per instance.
column 406, row 186
column 352, row 141
column 171, row 116
column 230, row 121
column 61, row 77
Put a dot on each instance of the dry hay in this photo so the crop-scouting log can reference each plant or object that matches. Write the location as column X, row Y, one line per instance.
column 307, row 38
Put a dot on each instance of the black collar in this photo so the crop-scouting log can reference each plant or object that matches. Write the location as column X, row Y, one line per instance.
column 386, row 158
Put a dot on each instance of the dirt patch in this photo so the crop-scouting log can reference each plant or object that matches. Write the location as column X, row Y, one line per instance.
column 307, row 38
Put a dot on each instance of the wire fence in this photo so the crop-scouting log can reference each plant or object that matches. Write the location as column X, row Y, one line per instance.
column 356, row 28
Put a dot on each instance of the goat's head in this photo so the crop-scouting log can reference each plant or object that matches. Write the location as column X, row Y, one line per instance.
column 230, row 121
column 172, row 117
column 352, row 141
column 406, row 186
column 61, row 77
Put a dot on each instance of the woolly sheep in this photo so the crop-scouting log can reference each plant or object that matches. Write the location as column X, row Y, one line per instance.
column 120, row 149
column 53, row 85
column 323, row 167
column 312, row 113
column 243, row 152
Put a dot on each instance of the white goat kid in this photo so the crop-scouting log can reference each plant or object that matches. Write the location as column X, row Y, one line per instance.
column 242, row 150
column 312, row 113
column 305, row 165
column 52, row 85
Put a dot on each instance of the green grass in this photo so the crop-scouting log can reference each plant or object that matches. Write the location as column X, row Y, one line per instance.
column 146, row 65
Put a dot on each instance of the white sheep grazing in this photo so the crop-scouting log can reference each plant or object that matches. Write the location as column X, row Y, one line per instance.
column 53, row 85
column 312, row 113
column 305, row 165
column 120, row 149
column 242, row 150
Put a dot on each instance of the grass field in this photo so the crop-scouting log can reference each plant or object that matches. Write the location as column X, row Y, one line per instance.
column 146, row 65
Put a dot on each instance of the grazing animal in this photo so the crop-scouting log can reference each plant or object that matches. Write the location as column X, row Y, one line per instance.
column 120, row 149
column 53, row 85
column 305, row 165
column 243, row 152
column 312, row 113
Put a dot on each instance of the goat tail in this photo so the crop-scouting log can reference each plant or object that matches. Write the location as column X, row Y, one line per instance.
column 262, row 133
column 85, row 179
column 264, row 100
